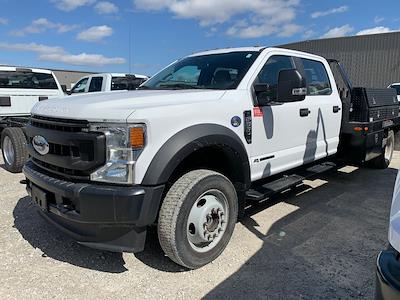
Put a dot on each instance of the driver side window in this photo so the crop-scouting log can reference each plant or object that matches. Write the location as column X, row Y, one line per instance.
column 80, row 87
column 270, row 73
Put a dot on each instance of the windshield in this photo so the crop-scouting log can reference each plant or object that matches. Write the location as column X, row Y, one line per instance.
column 215, row 71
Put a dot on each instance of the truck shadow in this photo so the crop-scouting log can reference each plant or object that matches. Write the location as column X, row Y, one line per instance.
column 361, row 198
column 326, row 248
column 54, row 244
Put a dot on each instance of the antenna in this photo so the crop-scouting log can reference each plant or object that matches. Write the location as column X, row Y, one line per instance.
column 130, row 48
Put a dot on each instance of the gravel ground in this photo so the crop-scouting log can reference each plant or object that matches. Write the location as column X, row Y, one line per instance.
column 318, row 242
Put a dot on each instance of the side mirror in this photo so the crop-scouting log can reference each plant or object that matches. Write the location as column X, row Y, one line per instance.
column 292, row 86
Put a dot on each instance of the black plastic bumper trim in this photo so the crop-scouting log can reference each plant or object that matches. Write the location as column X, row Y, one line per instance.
column 106, row 217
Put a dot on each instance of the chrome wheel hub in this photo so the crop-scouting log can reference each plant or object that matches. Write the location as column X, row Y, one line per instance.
column 207, row 221
column 389, row 149
column 8, row 150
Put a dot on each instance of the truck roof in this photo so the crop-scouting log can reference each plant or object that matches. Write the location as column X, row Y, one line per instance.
column 120, row 75
column 251, row 49
column 11, row 69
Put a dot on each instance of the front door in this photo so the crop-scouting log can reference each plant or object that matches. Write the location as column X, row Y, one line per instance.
column 280, row 131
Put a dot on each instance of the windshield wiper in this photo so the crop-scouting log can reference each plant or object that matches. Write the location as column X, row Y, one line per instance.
column 143, row 87
column 179, row 86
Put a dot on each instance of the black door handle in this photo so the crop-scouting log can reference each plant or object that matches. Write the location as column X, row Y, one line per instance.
column 304, row 112
column 336, row 109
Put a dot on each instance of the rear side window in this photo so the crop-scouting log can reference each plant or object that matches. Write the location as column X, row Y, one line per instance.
column 95, row 84
column 27, row 80
column 80, row 87
column 126, row 83
column 317, row 78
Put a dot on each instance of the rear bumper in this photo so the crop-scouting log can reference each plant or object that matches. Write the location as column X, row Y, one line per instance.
column 105, row 217
column 388, row 275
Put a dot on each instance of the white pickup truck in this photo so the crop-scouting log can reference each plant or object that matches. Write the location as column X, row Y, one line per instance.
column 20, row 90
column 195, row 143
column 106, row 82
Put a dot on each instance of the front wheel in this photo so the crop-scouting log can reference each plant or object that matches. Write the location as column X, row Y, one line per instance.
column 383, row 160
column 197, row 218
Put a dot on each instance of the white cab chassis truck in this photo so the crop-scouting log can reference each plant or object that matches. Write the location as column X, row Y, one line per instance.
column 106, row 82
column 197, row 141
column 20, row 90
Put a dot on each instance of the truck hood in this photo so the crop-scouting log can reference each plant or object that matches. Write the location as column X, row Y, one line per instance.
column 117, row 106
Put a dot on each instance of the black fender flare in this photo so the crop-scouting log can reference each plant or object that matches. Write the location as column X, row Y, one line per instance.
column 191, row 139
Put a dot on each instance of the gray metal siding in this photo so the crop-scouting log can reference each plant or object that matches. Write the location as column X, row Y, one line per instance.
column 370, row 60
column 69, row 78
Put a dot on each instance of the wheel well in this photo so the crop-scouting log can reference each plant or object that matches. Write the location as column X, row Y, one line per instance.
column 216, row 158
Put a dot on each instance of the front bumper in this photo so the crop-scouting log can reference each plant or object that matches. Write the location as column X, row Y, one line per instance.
column 388, row 275
column 106, row 217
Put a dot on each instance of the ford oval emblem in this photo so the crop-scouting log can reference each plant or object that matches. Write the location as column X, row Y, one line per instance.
column 40, row 144
column 236, row 121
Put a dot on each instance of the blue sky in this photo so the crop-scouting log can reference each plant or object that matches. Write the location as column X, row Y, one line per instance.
column 93, row 35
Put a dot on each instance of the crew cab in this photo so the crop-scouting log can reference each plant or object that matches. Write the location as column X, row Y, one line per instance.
column 106, row 82
column 20, row 90
column 200, row 139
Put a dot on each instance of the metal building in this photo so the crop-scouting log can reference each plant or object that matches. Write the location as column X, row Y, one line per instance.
column 370, row 60
column 69, row 78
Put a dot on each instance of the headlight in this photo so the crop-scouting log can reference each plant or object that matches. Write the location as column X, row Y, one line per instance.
column 124, row 143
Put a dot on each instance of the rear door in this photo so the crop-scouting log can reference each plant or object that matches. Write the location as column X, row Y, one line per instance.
column 325, row 110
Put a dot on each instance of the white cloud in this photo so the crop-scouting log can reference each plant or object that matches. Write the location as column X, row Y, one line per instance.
column 41, row 25
column 378, row 20
column 31, row 47
column 375, row 30
column 95, row 33
column 336, row 10
column 60, row 55
column 3, row 21
column 105, row 7
column 267, row 16
column 338, row 32
column 83, row 59
column 70, row 5
column 309, row 34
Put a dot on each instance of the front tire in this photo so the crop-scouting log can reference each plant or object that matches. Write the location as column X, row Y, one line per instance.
column 383, row 160
column 197, row 218
column 14, row 149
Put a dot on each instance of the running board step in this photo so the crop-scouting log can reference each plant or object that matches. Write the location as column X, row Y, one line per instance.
column 318, row 169
column 287, row 182
column 274, row 187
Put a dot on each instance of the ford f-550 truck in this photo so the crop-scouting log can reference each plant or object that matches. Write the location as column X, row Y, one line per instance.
column 194, row 143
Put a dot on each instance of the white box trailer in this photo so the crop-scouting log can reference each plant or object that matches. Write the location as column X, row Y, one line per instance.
column 20, row 90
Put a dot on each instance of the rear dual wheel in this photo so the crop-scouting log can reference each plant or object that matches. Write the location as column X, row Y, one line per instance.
column 197, row 218
column 383, row 160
